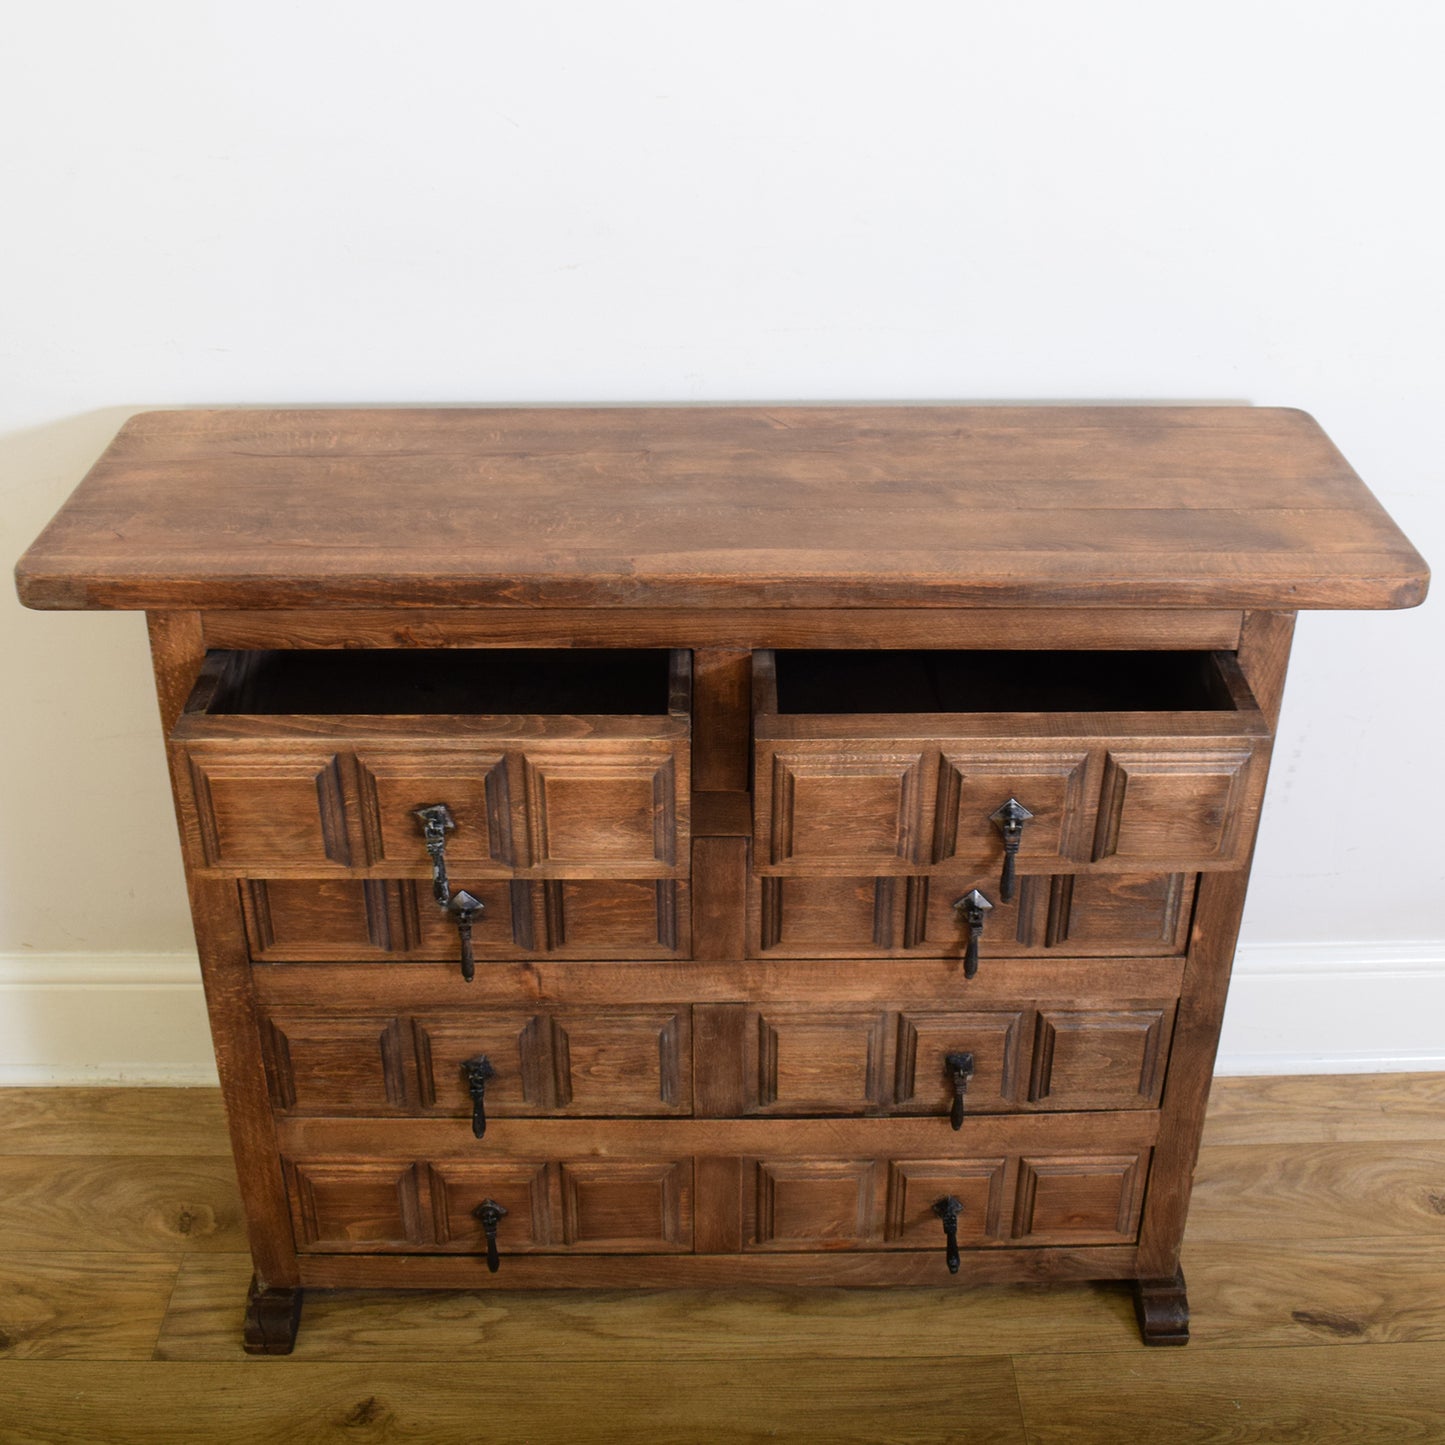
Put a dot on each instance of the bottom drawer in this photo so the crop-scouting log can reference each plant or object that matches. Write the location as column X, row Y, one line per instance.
column 716, row 1186
column 612, row 1206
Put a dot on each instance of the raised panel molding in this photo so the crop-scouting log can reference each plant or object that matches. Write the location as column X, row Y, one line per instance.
column 1051, row 784
column 623, row 1060
column 524, row 1190
column 627, row 1205
column 322, row 918
column 926, row 1037
column 1192, row 805
column 474, row 786
column 1108, row 912
column 819, row 1060
column 279, row 796
column 846, row 808
column 915, row 1185
column 1110, row 1058
column 810, row 1203
column 339, row 1205
column 317, row 1063
column 603, row 811
column 1081, row 1199
column 515, row 1042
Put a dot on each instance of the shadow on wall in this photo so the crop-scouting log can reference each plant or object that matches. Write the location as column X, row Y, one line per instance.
column 89, row 862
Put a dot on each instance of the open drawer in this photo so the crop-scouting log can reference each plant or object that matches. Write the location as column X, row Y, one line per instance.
column 1030, row 762
column 558, row 763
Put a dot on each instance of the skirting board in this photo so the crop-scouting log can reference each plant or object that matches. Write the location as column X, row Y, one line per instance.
column 1300, row 1008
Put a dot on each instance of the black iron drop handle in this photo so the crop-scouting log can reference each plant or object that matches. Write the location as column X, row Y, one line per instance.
column 960, row 1069
column 1010, row 820
column 972, row 908
column 477, row 1072
column 463, row 909
column 491, row 1214
column 948, row 1209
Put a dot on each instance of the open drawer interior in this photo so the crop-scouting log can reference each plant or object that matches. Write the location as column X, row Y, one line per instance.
column 626, row 682
column 832, row 683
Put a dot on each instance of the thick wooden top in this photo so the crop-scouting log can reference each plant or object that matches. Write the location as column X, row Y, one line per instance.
column 755, row 507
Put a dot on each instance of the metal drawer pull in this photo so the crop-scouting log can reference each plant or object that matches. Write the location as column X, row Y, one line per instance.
column 971, row 908
column 1010, row 820
column 960, row 1068
column 476, row 1072
column 948, row 1209
column 491, row 1214
column 464, row 909
column 436, row 823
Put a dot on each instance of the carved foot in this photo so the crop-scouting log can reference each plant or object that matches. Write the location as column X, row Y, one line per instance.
column 1163, row 1310
column 272, row 1316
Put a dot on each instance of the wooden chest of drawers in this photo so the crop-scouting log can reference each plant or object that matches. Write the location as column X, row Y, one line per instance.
column 718, row 846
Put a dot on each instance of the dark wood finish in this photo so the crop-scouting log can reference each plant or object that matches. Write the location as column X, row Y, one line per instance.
column 273, row 1315
column 728, row 629
column 898, row 792
column 177, row 657
column 1163, row 1310
column 1263, row 657
column 721, row 1027
column 1110, row 914
column 860, row 506
column 306, row 920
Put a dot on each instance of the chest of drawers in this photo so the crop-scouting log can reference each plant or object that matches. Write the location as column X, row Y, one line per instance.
column 715, row 846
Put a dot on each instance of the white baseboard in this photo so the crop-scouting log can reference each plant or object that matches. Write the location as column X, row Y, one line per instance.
column 1298, row 1008
column 110, row 1018
column 1335, row 1008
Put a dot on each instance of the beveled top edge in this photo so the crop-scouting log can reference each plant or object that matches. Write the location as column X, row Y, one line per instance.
column 820, row 506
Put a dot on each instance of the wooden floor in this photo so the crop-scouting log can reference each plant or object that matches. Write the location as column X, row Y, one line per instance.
column 1315, row 1259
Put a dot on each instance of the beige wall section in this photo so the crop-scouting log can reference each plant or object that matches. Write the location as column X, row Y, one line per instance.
column 479, row 202
column 88, row 856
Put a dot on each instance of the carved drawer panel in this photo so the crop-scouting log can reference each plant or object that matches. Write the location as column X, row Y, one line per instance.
column 1083, row 914
column 609, row 1206
column 900, row 763
column 1078, row 1198
column 800, row 1060
column 310, row 763
column 607, row 1060
column 825, row 1203
column 599, row 1061
column 740, row 1185
column 310, row 920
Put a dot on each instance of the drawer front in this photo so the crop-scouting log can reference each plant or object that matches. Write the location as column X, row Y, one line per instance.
column 1082, row 914
column 339, row 804
column 318, row 920
column 622, row 1060
column 880, row 793
column 735, row 1186
column 808, row 1203
column 800, row 1060
column 791, row 1060
column 611, row 1206
column 854, row 805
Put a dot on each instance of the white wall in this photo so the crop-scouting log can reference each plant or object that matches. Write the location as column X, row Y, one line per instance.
column 462, row 200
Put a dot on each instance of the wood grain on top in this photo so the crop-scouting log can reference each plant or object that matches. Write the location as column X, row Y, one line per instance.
column 756, row 507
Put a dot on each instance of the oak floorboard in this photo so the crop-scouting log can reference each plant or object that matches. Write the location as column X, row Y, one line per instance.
column 1319, row 1191
column 121, row 1203
column 103, row 1121
column 83, row 1305
column 1326, row 1109
column 724, row 1402
column 203, row 1322
column 1315, row 1292
column 1391, row 1395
